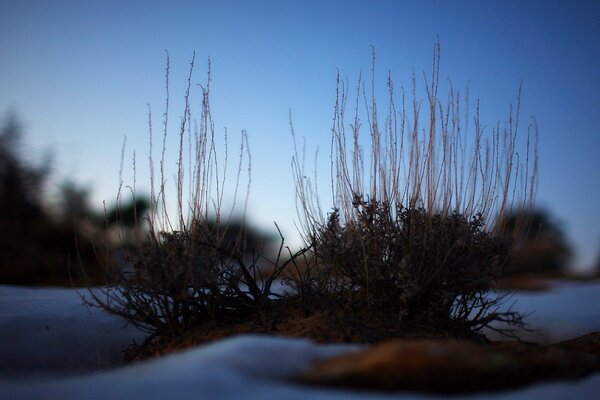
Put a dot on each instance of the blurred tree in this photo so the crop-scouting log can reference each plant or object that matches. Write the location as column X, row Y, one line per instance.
column 126, row 222
column 539, row 245
column 130, row 214
column 21, row 185
column 74, row 202
column 238, row 234
column 597, row 267
column 37, row 247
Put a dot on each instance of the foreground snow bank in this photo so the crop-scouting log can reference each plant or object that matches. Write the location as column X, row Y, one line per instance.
column 246, row 367
column 46, row 336
column 242, row 367
column 48, row 331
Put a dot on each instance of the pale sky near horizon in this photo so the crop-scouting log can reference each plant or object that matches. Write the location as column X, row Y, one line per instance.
column 78, row 75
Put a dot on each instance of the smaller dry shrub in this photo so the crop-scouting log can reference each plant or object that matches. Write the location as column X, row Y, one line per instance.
column 183, row 278
column 203, row 265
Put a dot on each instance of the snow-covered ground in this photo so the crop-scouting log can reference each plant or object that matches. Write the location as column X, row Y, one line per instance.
column 566, row 310
column 51, row 346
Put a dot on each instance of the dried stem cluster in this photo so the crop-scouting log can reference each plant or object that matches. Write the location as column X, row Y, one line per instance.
column 414, row 229
column 412, row 237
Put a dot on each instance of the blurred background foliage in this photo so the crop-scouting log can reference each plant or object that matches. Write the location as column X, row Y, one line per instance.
column 68, row 241
column 597, row 267
column 540, row 247
column 56, row 243
column 40, row 242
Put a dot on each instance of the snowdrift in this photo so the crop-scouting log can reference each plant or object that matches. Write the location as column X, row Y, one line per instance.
column 51, row 346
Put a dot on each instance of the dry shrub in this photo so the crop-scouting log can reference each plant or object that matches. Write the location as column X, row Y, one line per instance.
column 413, row 235
column 181, row 279
column 203, row 265
column 411, row 265
column 410, row 242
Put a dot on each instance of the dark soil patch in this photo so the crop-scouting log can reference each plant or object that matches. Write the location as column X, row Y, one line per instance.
column 289, row 318
column 524, row 283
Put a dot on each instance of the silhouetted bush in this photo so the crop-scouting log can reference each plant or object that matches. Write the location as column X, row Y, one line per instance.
column 539, row 245
column 181, row 279
column 409, row 265
column 409, row 246
column 409, row 242
column 202, row 265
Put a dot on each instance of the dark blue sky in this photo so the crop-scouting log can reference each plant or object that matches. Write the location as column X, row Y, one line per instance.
column 79, row 75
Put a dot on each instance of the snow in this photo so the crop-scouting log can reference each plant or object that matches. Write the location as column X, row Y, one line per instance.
column 565, row 311
column 51, row 346
column 48, row 331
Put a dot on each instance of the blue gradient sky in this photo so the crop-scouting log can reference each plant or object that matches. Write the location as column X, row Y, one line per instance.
column 79, row 74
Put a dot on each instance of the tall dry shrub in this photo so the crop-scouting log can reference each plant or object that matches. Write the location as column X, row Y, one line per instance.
column 412, row 235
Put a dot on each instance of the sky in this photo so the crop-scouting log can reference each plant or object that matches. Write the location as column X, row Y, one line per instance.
column 79, row 75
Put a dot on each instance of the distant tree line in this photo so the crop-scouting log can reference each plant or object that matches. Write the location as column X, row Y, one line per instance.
column 65, row 241
column 38, row 241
